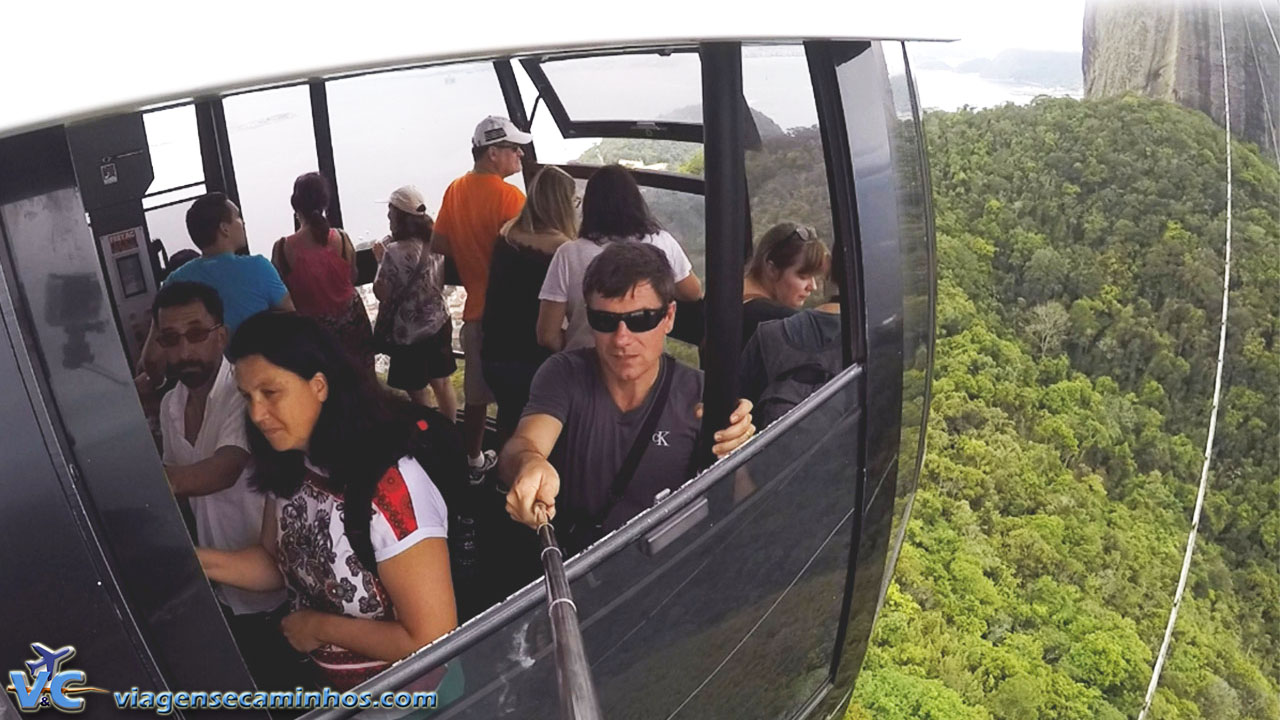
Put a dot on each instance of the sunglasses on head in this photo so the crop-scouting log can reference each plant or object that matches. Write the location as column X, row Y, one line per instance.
column 193, row 336
column 805, row 234
column 637, row 321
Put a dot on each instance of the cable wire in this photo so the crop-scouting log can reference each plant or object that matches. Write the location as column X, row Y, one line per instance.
column 1267, row 17
column 1217, row 394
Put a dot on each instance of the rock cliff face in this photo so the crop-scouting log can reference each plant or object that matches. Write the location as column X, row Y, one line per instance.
column 1173, row 51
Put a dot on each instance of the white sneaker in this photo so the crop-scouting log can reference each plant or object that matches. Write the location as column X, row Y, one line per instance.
column 477, row 472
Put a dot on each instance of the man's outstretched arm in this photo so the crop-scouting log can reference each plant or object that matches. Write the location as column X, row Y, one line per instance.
column 523, row 467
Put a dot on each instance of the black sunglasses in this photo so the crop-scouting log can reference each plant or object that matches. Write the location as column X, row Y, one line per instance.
column 637, row 321
column 193, row 336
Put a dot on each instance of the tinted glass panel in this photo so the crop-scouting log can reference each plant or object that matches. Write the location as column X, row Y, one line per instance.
column 174, row 144
column 169, row 224
column 681, row 214
column 734, row 618
column 551, row 144
column 786, row 176
column 411, row 127
column 629, row 87
column 915, row 234
column 272, row 143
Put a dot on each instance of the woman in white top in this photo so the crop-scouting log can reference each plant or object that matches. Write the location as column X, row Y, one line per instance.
column 612, row 210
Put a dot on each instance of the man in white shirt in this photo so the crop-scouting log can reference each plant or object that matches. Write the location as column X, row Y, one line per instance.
column 206, row 459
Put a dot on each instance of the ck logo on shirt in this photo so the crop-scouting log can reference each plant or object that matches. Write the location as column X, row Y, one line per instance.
column 660, row 438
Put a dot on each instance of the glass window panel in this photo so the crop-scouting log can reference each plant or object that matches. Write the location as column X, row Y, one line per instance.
column 174, row 144
column 553, row 147
column 786, row 176
column 629, row 87
column 897, row 250
column 272, row 143
column 916, row 242
column 411, row 127
column 169, row 224
column 681, row 214
column 735, row 618
column 670, row 156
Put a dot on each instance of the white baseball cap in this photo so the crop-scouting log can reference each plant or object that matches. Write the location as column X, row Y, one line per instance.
column 408, row 199
column 495, row 129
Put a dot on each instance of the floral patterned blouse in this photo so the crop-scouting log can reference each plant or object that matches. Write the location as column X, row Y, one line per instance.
column 422, row 311
column 323, row 573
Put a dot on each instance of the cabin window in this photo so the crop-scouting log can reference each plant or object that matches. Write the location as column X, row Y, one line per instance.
column 409, row 127
column 786, row 174
column 637, row 87
column 272, row 143
column 174, row 144
column 168, row 222
column 916, row 242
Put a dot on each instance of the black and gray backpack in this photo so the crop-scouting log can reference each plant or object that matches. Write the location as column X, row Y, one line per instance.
column 794, row 373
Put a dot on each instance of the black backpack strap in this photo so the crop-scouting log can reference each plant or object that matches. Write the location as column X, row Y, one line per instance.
column 628, row 470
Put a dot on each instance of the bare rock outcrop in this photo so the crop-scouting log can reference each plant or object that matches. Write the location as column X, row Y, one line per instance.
column 1173, row 51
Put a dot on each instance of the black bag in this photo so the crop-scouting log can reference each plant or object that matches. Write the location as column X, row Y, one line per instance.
column 578, row 530
column 793, row 373
column 438, row 448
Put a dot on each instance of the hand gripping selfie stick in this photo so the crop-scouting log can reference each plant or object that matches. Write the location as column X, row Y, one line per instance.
column 577, row 693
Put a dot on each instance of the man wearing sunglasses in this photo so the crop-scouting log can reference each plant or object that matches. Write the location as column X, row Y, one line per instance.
column 608, row 428
column 474, row 209
column 206, row 459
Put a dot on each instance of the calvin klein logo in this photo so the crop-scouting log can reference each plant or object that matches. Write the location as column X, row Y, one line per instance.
column 660, row 438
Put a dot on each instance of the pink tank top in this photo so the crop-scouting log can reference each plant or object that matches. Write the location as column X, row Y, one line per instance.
column 319, row 280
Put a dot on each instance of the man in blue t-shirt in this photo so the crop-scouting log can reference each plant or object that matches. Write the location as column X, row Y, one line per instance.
column 246, row 284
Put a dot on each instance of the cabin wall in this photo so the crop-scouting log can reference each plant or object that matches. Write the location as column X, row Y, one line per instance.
column 91, row 493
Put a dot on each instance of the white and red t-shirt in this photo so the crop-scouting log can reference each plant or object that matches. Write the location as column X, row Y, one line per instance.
column 322, row 571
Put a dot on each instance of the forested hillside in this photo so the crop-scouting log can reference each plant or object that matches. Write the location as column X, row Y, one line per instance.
column 1080, row 255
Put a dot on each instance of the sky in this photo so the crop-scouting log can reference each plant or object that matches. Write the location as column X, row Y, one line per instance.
column 81, row 57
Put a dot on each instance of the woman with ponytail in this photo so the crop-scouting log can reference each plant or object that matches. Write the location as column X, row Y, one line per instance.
column 353, row 527
column 318, row 265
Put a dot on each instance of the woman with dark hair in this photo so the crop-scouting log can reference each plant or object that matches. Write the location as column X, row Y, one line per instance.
column 511, row 353
column 353, row 526
column 783, row 272
column 318, row 265
column 410, row 287
column 612, row 210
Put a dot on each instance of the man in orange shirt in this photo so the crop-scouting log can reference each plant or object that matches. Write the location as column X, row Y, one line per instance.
column 474, row 209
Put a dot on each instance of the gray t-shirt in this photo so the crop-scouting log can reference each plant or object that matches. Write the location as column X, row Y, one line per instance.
column 597, row 435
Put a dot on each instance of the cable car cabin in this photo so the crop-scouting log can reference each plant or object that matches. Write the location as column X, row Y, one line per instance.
column 748, row 592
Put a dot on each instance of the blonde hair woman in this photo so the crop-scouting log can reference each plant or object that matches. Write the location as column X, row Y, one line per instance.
column 525, row 246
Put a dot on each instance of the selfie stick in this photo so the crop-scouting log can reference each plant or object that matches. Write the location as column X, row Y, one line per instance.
column 577, row 693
